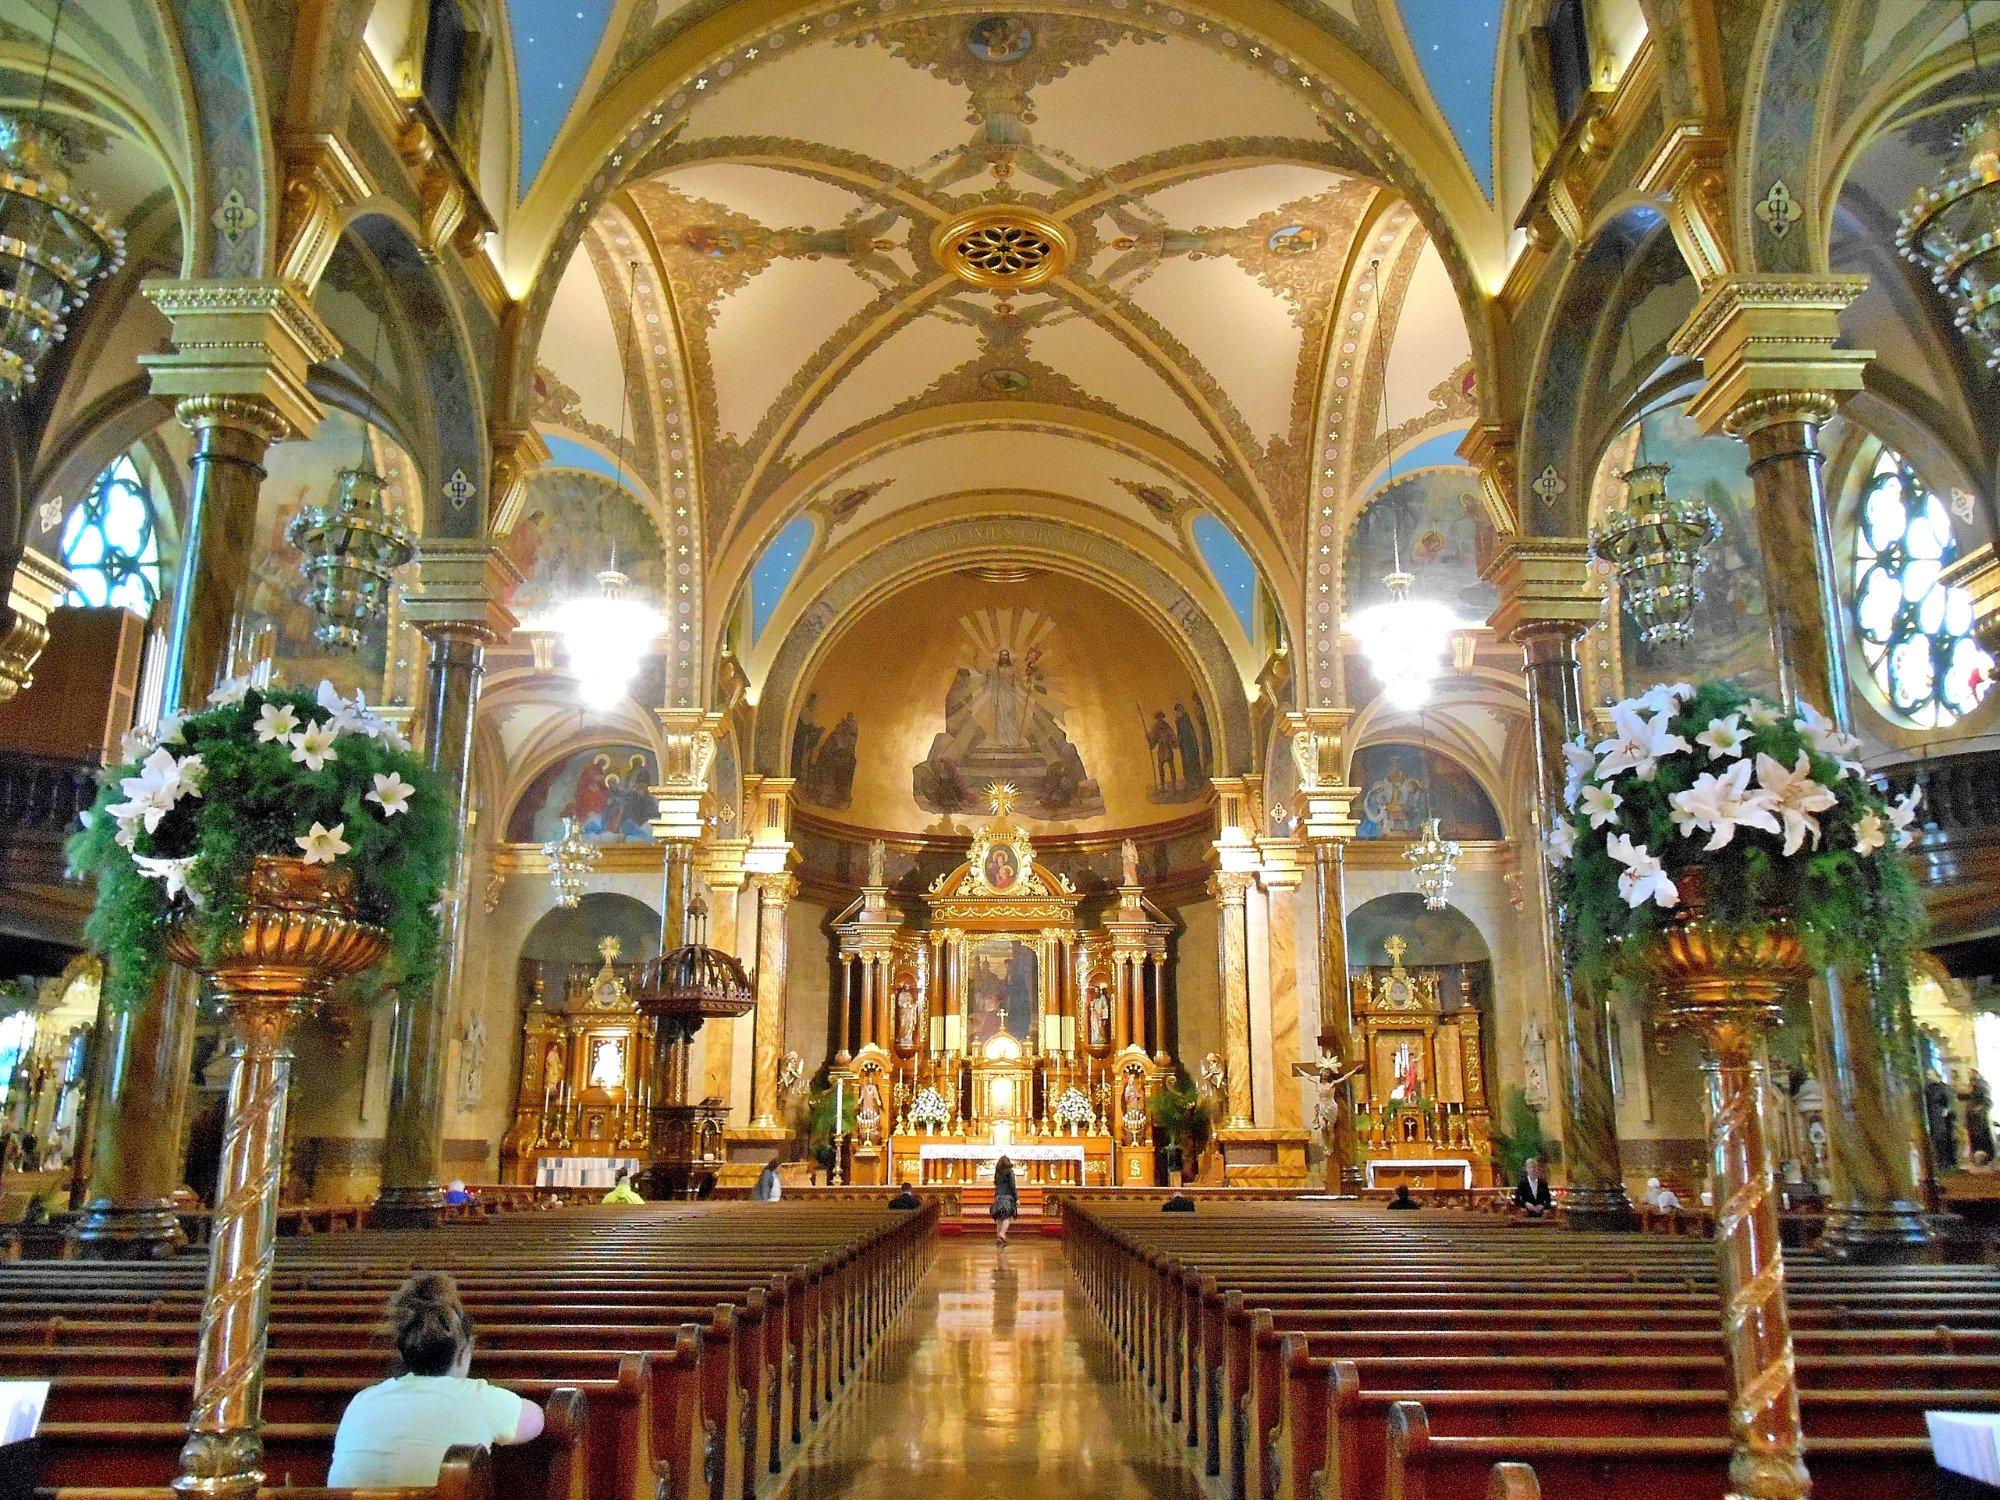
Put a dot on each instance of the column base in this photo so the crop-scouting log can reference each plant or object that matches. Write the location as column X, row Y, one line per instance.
column 1596, row 1208
column 126, row 1231
column 1895, row 1235
column 222, row 1465
column 408, row 1208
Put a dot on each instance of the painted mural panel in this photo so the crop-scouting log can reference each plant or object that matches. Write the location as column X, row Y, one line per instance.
column 1002, row 986
column 574, row 525
column 1731, row 625
column 606, row 789
column 955, row 684
column 276, row 623
column 1432, row 517
column 1403, row 786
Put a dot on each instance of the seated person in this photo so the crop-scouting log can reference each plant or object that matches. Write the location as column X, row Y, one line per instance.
column 457, row 1195
column 397, row 1433
column 907, row 1198
column 768, row 1188
column 1531, row 1194
column 1402, row 1198
column 1660, row 1198
column 622, row 1190
column 1178, row 1203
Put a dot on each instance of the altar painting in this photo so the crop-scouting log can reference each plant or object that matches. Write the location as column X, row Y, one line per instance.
column 1403, row 786
column 1002, row 983
column 606, row 790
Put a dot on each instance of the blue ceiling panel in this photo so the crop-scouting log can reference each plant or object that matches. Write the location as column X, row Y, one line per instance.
column 554, row 41
column 1457, row 45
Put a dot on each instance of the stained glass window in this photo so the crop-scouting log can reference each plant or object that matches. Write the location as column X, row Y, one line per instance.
column 110, row 545
column 1916, row 631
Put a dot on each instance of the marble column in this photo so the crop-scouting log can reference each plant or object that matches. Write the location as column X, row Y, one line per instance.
column 1594, row 1192
column 454, row 608
column 774, row 895
column 1281, row 877
column 722, row 873
column 1231, row 888
column 138, row 1158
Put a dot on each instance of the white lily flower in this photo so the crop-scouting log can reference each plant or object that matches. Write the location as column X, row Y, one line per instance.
column 312, row 746
column 1794, row 796
column 323, row 845
column 1664, row 697
column 277, row 721
column 127, row 836
column 1902, row 815
column 1762, row 712
column 328, row 697
column 172, row 871
column 230, row 692
column 1724, row 737
column 135, row 744
column 1600, row 804
column 1644, row 878
column 1870, row 833
column 1719, row 805
column 391, row 794
column 189, row 773
column 1824, row 735
column 1638, row 744
column 1561, row 843
column 150, row 795
column 1579, row 762
column 170, row 728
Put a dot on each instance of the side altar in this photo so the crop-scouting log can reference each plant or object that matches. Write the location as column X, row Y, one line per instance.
column 1421, row 1112
column 993, row 1022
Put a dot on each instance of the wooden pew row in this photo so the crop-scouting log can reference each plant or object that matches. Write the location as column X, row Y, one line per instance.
column 467, row 1474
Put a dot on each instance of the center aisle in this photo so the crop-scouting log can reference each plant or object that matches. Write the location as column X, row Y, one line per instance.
column 997, row 1382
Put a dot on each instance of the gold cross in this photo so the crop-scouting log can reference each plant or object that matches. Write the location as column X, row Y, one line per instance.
column 610, row 949
column 1396, row 947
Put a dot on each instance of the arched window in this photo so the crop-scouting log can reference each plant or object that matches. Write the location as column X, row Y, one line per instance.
column 1916, row 631
column 109, row 543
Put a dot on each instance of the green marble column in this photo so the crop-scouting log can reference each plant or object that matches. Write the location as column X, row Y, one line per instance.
column 1871, row 1117
column 413, row 1145
column 1594, row 1194
column 137, row 1160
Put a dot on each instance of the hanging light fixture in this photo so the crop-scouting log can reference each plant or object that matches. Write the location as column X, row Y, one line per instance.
column 351, row 546
column 53, row 246
column 1403, row 639
column 571, row 858
column 1435, row 860
column 608, row 634
column 1953, row 230
column 1658, row 544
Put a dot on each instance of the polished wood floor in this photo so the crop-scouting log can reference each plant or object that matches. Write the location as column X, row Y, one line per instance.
column 997, row 1382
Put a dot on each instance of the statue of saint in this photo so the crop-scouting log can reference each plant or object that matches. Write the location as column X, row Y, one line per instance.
column 868, row 1111
column 878, row 855
column 1128, row 853
column 1133, row 1112
column 909, row 1014
column 1534, row 1063
column 1100, row 1015
column 1213, row 1082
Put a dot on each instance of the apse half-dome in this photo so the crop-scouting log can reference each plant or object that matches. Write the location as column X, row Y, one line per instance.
column 958, row 682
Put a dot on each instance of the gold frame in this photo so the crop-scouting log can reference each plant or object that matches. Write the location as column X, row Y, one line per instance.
column 947, row 246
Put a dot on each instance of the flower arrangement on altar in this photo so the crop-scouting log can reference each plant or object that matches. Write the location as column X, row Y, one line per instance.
column 930, row 1110
column 1766, row 810
column 1073, row 1110
column 316, row 777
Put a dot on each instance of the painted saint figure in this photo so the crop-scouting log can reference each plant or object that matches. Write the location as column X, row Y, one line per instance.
column 909, row 1012
column 868, row 1111
column 1100, row 1016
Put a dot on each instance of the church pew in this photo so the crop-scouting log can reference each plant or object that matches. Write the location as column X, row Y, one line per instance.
column 131, row 1454
column 467, row 1474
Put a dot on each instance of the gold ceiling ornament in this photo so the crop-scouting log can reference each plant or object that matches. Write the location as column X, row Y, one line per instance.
column 1002, row 570
column 1003, row 248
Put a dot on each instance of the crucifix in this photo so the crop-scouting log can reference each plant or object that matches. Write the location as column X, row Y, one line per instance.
column 1396, row 946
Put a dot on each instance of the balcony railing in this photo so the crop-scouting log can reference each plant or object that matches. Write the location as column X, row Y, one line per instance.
column 40, row 797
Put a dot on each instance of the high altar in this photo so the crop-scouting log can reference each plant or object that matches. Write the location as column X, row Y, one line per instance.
column 994, row 1023
column 1421, row 1113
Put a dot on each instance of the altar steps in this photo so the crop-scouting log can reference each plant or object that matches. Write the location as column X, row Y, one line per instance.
column 975, row 1213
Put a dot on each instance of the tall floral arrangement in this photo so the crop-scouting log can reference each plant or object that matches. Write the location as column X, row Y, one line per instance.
column 179, row 822
column 1767, row 810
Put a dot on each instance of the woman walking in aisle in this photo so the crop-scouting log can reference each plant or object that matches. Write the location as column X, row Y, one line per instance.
column 1006, row 1198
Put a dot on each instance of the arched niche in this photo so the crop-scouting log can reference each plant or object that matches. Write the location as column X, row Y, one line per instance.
column 1445, row 939
column 571, row 934
column 1403, row 785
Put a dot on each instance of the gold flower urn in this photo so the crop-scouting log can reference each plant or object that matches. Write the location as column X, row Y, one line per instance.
column 1730, row 983
column 298, row 936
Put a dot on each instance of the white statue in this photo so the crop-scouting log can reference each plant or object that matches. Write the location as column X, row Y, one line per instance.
column 791, row 1072
column 878, row 859
column 1128, row 854
column 471, row 1061
column 1213, row 1082
column 1535, row 1063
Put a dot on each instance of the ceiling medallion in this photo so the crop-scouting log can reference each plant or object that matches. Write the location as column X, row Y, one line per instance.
column 1002, row 571
column 1003, row 249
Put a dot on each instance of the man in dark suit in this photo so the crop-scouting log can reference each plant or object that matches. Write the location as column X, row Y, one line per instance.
column 1531, row 1193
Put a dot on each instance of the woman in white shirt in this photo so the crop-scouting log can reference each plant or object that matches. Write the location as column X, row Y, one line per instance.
column 397, row 1433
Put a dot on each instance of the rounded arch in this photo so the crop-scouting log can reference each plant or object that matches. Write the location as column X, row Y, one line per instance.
column 1445, row 936
column 570, row 934
column 937, row 548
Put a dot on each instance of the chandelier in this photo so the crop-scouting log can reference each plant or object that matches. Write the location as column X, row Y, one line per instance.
column 1950, row 231
column 1435, row 859
column 53, row 245
column 1404, row 639
column 351, row 546
column 607, row 635
column 1658, row 546
column 570, row 859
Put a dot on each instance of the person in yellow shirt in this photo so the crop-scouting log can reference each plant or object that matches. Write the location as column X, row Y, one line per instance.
column 622, row 1191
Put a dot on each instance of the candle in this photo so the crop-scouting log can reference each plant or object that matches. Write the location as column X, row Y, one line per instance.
column 839, row 1104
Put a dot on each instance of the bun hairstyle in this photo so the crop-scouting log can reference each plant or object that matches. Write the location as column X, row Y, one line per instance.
column 429, row 1323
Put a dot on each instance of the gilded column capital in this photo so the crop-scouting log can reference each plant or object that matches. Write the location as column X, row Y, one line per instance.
column 1231, row 887
column 460, row 583
column 1492, row 449
column 254, row 418
column 1769, row 335
column 720, row 863
column 688, row 746
column 517, row 453
column 1545, row 583
column 1978, row 573
column 250, row 339
column 37, row 587
column 1284, row 863
column 1324, row 802
column 323, row 179
column 774, row 887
